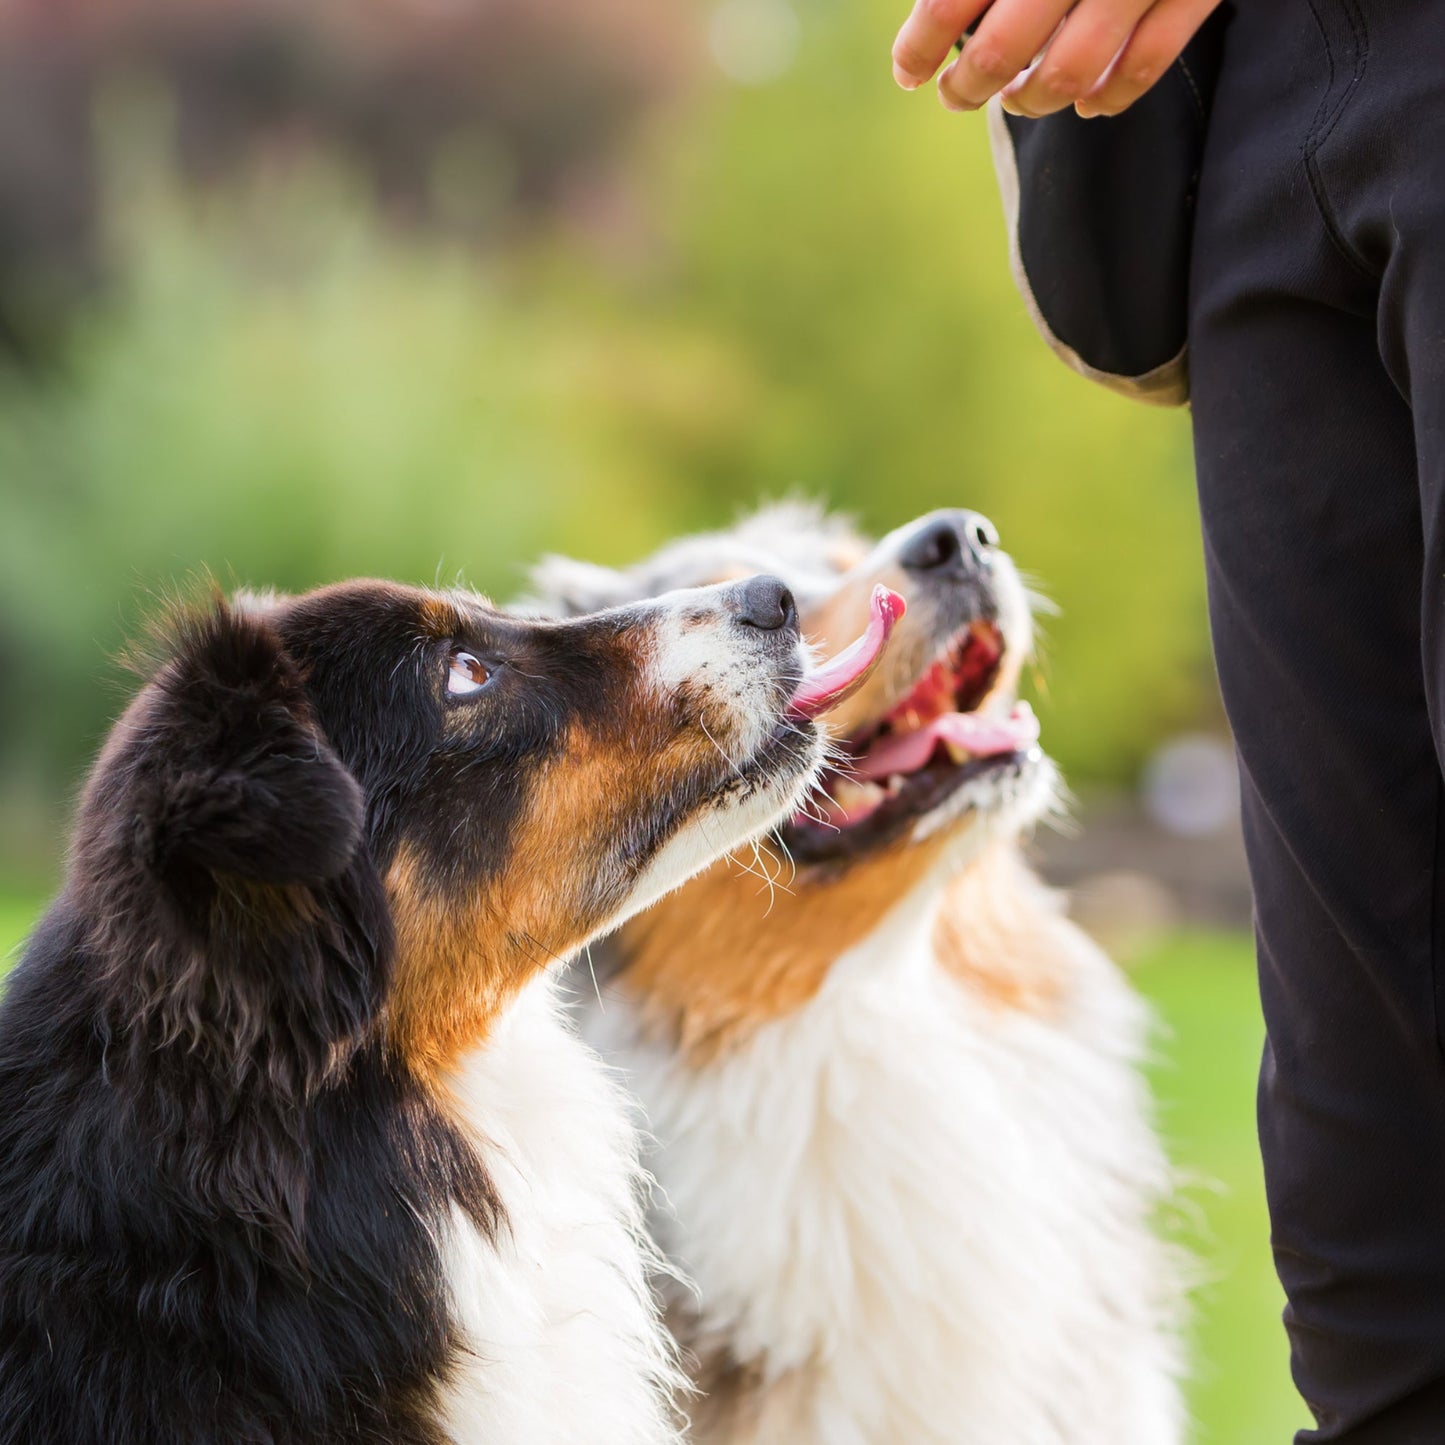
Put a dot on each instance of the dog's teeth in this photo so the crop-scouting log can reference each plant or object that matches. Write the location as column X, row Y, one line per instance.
column 851, row 793
column 895, row 784
column 957, row 751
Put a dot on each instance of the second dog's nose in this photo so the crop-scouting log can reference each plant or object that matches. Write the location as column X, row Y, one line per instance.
column 766, row 603
column 955, row 539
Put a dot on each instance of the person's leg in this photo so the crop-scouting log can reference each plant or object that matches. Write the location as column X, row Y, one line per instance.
column 1310, row 494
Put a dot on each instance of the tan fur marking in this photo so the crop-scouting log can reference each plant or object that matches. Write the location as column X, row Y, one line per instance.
column 847, row 553
column 438, row 615
column 996, row 940
column 464, row 952
column 453, row 974
column 716, row 960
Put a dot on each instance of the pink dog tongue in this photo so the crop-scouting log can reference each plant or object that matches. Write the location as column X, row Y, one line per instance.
column 981, row 737
column 835, row 680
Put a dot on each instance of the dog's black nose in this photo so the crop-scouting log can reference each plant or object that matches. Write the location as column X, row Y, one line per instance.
column 979, row 530
column 957, row 540
column 765, row 602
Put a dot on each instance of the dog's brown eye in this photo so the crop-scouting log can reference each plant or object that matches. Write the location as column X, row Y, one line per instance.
column 466, row 674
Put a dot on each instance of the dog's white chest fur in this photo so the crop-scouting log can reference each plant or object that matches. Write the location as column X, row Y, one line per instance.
column 564, row 1345
column 914, row 1216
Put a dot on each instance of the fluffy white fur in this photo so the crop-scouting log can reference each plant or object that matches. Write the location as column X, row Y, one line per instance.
column 914, row 1214
column 565, row 1344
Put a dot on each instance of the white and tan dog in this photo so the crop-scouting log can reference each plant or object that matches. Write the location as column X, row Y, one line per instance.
column 901, row 1131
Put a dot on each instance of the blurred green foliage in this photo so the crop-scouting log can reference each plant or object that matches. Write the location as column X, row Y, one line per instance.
column 802, row 288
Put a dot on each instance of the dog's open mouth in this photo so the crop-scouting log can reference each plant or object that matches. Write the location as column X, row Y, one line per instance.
column 943, row 734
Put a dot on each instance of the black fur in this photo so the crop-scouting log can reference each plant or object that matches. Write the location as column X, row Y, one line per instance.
column 219, row 1179
column 213, row 1177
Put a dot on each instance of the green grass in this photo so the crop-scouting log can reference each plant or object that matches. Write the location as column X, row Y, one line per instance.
column 1203, row 987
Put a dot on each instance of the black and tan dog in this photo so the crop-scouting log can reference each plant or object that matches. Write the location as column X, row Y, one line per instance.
column 294, row 1147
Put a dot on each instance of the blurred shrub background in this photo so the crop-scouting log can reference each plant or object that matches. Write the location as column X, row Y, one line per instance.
column 426, row 287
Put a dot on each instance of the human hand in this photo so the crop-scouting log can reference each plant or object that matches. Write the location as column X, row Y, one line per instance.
column 1099, row 56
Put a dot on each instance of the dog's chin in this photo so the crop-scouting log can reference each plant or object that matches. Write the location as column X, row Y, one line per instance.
column 755, row 796
column 969, row 803
column 1004, row 801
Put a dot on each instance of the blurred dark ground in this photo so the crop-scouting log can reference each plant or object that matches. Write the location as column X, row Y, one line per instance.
column 426, row 287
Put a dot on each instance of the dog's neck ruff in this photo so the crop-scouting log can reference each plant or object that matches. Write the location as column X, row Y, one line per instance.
column 914, row 1213
column 561, row 1337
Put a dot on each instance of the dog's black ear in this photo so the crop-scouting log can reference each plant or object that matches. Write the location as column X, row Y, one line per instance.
column 220, row 860
column 235, row 776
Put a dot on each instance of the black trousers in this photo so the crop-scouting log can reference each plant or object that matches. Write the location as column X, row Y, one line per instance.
column 1317, row 358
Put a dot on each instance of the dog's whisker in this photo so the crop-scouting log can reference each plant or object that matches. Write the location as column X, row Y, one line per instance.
column 737, row 771
column 592, row 973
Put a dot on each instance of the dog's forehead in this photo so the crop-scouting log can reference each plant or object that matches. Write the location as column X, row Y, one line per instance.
column 805, row 546
column 378, row 613
column 462, row 611
column 795, row 539
column 700, row 561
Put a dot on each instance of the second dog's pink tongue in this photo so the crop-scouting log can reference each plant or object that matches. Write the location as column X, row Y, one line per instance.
column 830, row 684
column 981, row 737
